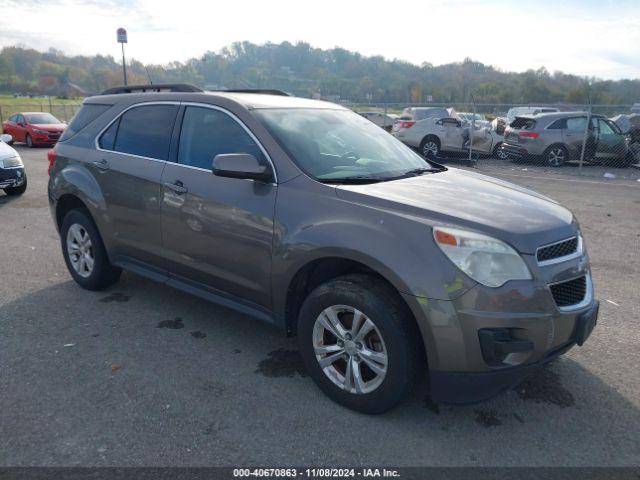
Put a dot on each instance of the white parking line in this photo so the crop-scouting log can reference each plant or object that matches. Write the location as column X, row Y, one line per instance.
column 571, row 180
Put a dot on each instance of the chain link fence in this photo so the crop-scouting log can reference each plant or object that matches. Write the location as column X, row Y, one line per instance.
column 593, row 140
column 63, row 111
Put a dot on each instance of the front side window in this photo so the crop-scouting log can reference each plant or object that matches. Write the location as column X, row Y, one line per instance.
column 144, row 131
column 334, row 145
column 207, row 132
column 605, row 128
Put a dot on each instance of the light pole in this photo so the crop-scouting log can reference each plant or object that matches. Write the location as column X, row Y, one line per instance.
column 122, row 39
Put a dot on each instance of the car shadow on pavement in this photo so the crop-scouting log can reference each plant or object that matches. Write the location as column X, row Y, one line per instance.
column 90, row 376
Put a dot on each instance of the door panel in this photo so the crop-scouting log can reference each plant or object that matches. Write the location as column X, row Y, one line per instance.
column 609, row 144
column 217, row 231
column 128, row 167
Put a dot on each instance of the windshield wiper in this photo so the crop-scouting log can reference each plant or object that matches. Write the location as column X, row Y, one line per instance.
column 354, row 179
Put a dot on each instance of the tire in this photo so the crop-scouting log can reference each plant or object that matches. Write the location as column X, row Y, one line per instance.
column 15, row 191
column 102, row 274
column 394, row 337
column 430, row 147
column 28, row 140
column 499, row 153
column 556, row 156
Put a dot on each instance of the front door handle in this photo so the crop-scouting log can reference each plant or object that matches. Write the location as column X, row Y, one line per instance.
column 178, row 187
column 101, row 164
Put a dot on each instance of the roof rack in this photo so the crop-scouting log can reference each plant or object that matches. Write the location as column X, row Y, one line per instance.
column 265, row 91
column 159, row 87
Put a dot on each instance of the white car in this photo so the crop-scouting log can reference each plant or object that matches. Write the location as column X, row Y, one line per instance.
column 13, row 179
column 436, row 136
column 385, row 121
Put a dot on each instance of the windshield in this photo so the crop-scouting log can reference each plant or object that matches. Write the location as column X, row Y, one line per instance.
column 333, row 145
column 41, row 119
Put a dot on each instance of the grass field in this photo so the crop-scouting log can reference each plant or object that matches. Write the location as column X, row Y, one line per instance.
column 62, row 108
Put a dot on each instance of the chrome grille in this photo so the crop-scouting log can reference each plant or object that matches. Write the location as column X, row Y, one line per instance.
column 569, row 293
column 557, row 250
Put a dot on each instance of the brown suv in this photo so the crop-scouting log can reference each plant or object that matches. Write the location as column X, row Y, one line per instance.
column 307, row 216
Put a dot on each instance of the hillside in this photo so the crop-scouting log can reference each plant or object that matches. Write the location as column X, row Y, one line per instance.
column 305, row 71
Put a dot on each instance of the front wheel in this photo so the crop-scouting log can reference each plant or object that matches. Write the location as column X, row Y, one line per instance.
column 359, row 343
column 28, row 140
column 84, row 252
column 499, row 153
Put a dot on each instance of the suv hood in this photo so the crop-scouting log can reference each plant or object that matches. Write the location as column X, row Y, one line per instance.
column 521, row 217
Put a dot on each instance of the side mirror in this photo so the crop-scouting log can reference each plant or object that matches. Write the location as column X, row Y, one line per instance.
column 6, row 138
column 240, row 165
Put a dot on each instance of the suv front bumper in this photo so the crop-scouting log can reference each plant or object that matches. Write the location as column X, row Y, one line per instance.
column 471, row 387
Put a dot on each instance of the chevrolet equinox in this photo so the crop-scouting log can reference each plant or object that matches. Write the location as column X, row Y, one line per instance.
column 386, row 266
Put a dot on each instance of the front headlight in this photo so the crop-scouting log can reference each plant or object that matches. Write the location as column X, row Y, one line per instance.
column 10, row 162
column 485, row 259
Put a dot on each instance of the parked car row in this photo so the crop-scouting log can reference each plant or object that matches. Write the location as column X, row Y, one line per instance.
column 525, row 133
column 34, row 128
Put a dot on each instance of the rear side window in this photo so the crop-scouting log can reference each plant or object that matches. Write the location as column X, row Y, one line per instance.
column 207, row 132
column 523, row 123
column 577, row 124
column 144, row 131
column 87, row 114
column 558, row 124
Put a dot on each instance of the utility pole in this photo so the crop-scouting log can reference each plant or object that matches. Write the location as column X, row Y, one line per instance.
column 122, row 39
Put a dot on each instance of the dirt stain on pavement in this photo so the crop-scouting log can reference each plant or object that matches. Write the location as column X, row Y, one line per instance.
column 172, row 324
column 116, row 297
column 282, row 363
column 198, row 334
column 545, row 386
column 487, row 418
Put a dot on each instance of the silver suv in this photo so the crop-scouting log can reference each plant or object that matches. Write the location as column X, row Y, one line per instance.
column 309, row 217
column 557, row 138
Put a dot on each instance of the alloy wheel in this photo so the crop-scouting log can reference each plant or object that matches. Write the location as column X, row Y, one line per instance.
column 350, row 349
column 430, row 149
column 80, row 250
column 556, row 157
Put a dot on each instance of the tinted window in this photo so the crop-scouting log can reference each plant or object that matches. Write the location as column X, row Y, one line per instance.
column 108, row 138
column 146, row 131
column 20, row 119
column 558, row 124
column 577, row 123
column 13, row 118
column 87, row 114
column 206, row 133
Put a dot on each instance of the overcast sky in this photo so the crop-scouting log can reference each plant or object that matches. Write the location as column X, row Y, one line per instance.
column 585, row 37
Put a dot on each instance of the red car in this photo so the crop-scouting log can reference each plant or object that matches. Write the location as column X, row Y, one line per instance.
column 34, row 128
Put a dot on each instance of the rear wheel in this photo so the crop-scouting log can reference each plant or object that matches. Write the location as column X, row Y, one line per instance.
column 359, row 343
column 28, row 140
column 430, row 147
column 556, row 156
column 84, row 252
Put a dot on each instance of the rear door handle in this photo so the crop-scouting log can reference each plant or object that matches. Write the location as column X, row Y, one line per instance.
column 101, row 164
column 178, row 187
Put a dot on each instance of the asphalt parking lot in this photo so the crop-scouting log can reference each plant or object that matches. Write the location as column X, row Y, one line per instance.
column 142, row 374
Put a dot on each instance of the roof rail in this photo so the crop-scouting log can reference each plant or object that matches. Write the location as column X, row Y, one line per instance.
column 158, row 87
column 264, row 91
